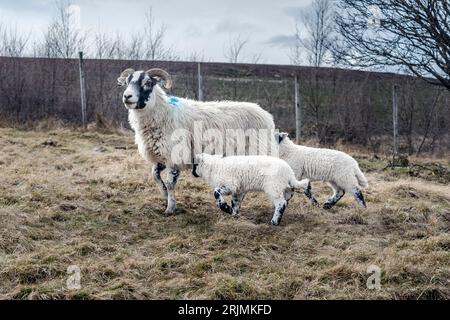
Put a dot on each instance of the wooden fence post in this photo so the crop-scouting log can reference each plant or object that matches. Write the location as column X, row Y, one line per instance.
column 82, row 90
column 395, row 122
column 298, row 114
column 199, row 83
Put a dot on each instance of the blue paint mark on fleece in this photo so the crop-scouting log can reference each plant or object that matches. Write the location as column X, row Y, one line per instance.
column 174, row 101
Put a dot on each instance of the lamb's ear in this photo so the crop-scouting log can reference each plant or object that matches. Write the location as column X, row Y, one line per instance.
column 283, row 135
column 279, row 136
column 122, row 79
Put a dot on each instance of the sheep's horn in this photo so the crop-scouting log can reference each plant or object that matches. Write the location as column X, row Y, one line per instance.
column 125, row 73
column 162, row 74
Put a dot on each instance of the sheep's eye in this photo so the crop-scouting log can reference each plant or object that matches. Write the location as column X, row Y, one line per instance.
column 148, row 83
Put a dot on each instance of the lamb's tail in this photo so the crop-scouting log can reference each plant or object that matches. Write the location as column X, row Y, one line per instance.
column 302, row 184
column 362, row 181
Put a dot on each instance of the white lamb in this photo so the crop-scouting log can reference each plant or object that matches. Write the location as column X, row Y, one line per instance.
column 336, row 168
column 237, row 175
column 165, row 126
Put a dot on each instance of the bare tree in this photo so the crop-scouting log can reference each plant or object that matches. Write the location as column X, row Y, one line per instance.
column 148, row 44
column 62, row 39
column 12, row 43
column 195, row 56
column 153, row 38
column 233, row 50
column 412, row 34
column 316, row 22
column 313, row 35
column 135, row 47
column 119, row 47
column 103, row 47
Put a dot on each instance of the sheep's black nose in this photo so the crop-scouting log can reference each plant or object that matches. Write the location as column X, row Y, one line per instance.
column 126, row 97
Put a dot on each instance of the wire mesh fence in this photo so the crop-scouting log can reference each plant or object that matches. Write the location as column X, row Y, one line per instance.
column 336, row 104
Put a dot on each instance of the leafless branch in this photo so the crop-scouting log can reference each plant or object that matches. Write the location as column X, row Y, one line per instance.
column 412, row 34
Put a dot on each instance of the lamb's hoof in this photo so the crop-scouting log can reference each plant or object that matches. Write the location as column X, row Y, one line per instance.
column 275, row 223
column 314, row 203
column 327, row 206
column 225, row 208
column 169, row 211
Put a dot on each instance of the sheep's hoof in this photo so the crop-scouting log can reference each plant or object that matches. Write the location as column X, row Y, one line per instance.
column 327, row 206
column 275, row 223
column 169, row 211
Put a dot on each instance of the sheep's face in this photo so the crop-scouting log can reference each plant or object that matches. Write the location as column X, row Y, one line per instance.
column 139, row 88
column 200, row 163
column 281, row 137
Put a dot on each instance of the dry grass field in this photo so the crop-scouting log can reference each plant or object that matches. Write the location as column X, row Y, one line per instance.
column 69, row 197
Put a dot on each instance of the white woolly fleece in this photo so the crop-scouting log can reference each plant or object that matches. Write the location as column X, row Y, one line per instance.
column 155, row 123
column 318, row 164
column 241, row 174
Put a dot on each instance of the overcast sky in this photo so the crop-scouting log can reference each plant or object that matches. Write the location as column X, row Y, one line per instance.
column 196, row 25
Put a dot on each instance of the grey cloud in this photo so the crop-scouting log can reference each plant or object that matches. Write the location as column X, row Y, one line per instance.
column 294, row 12
column 199, row 25
column 227, row 26
column 193, row 31
column 27, row 5
column 281, row 40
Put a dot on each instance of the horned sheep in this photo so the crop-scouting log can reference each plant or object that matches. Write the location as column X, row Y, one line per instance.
column 155, row 117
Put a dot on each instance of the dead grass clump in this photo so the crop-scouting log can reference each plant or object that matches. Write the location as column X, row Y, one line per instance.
column 230, row 288
column 104, row 125
column 353, row 218
column 430, row 171
column 32, row 272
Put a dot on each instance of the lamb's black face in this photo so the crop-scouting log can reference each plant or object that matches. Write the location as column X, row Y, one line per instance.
column 139, row 87
column 280, row 136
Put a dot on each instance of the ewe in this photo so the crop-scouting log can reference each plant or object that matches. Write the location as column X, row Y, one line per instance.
column 335, row 167
column 237, row 175
column 164, row 125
